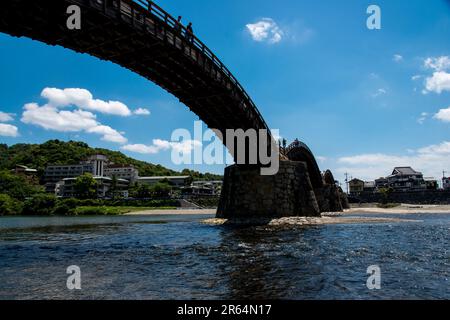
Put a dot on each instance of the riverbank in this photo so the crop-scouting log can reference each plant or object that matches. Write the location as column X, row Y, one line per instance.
column 171, row 212
column 401, row 209
column 363, row 209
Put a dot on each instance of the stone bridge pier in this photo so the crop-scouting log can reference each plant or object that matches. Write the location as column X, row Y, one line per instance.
column 298, row 189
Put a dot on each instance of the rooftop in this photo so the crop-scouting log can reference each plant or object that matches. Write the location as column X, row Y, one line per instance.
column 404, row 171
column 162, row 178
column 116, row 166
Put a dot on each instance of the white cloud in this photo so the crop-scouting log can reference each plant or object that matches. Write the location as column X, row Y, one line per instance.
column 397, row 58
column 422, row 118
column 437, row 63
column 185, row 146
column 141, row 112
column 443, row 115
column 141, row 148
column 161, row 145
column 108, row 134
column 83, row 99
column 7, row 130
column 437, row 149
column 379, row 92
column 265, row 30
column 440, row 81
column 50, row 118
column 6, row 117
column 416, row 77
column 430, row 160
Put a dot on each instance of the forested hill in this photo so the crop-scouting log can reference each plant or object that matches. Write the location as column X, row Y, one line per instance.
column 54, row 152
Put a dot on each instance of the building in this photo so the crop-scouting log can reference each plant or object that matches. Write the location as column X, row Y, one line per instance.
column 56, row 173
column 176, row 181
column 25, row 170
column 98, row 163
column 381, row 183
column 356, row 186
column 66, row 187
column 129, row 173
column 446, row 183
column 197, row 191
column 406, row 179
column 369, row 186
column 431, row 183
column 59, row 179
column 210, row 188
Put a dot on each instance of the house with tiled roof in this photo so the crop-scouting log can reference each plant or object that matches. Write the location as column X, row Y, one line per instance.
column 406, row 179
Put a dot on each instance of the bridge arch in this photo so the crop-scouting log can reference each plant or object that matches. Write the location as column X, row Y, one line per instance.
column 298, row 151
column 148, row 41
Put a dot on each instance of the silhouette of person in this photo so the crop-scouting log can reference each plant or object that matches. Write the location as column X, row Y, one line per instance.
column 178, row 25
column 189, row 32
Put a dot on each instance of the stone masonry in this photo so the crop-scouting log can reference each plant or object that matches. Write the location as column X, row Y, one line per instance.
column 248, row 194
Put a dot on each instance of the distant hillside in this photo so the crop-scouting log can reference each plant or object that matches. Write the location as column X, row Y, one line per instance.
column 54, row 152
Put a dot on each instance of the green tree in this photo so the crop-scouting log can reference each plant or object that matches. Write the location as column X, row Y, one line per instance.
column 113, row 189
column 40, row 205
column 17, row 186
column 141, row 191
column 86, row 186
column 385, row 193
column 160, row 190
column 9, row 206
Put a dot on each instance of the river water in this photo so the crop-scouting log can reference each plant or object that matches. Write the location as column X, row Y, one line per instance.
column 178, row 257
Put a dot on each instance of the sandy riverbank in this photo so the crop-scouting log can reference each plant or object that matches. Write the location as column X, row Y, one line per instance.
column 402, row 209
column 366, row 208
column 172, row 212
column 349, row 216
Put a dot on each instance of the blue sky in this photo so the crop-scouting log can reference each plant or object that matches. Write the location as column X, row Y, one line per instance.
column 363, row 100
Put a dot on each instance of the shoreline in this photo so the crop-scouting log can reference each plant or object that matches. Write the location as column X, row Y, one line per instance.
column 364, row 209
column 172, row 212
column 349, row 216
column 401, row 209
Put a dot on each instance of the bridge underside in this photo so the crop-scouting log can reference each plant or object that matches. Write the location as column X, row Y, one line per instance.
column 125, row 33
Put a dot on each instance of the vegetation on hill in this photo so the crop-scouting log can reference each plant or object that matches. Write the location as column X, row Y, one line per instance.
column 56, row 152
column 22, row 194
column 18, row 186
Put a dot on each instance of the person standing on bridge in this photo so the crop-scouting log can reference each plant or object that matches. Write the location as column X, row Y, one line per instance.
column 178, row 25
column 189, row 32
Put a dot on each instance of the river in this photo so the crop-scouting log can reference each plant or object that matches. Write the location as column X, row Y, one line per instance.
column 178, row 257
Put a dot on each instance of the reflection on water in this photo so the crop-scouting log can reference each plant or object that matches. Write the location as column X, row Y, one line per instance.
column 177, row 257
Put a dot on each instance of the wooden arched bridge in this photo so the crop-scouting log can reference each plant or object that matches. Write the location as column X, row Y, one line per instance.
column 142, row 37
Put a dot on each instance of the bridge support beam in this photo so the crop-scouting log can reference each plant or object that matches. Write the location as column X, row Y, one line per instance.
column 248, row 194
